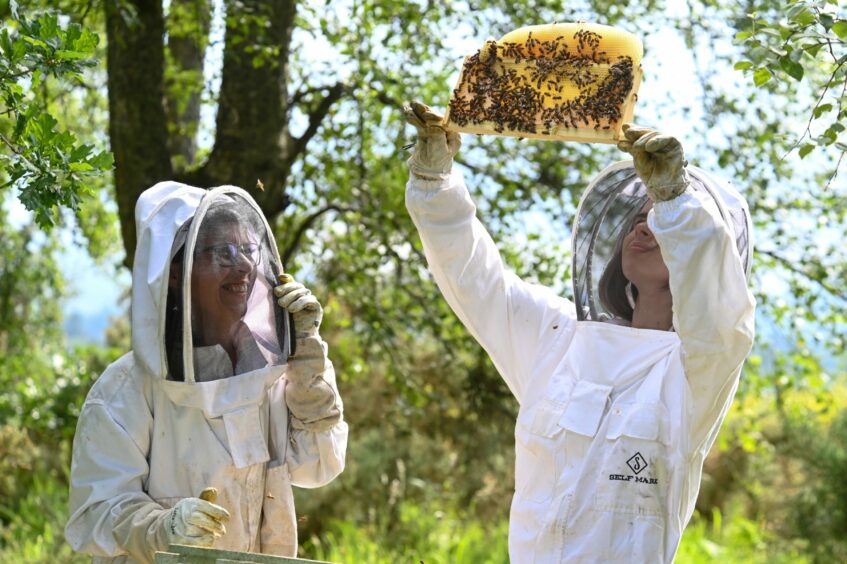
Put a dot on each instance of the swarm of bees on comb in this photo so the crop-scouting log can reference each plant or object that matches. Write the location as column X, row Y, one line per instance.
column 563, row 81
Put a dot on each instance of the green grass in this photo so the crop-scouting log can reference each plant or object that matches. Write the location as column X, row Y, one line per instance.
column 738, row 540
column 33, row 531
column 419, row 534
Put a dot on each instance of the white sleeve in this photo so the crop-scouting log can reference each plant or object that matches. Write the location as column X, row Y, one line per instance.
column 314, row 458
column 713, row 310
column 503, row 313
column 110, row 514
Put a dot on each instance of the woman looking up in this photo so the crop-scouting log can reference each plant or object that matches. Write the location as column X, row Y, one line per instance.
column 623, row 390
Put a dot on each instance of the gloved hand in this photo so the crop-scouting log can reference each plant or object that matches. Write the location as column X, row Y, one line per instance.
column 658, row 160
column 432, row 157
column 310, row 393
column 196, row 522
column 304, row 308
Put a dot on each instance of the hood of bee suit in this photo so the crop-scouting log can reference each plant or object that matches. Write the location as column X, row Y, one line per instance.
column 606, row 211
column 222, row 236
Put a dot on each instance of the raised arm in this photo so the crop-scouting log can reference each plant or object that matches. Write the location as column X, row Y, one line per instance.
column 503, row 313
column 713, row 310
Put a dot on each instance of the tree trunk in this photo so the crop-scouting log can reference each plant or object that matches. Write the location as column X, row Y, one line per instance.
column 137, row 123
column 252, row 140
column 188, row 35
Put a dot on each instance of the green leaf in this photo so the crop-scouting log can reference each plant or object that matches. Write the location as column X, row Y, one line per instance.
column 821, row 109
column 70, row 55
column 743, row 65
column 103, row 160
column 80, row 152
column 826, row 21
column 792, row 68
column 34, row 41
column 806, row 149
column 795, row 9
column 5, row 42
column 761, row 76
column 828, row 137
column 87, row 41
column 803, row 18
column 840, row 29
column 813, row 49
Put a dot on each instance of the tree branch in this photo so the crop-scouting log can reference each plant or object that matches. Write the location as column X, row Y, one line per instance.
column 792, row 267
column 300, row 95
column 297, row 145
column 305, row 225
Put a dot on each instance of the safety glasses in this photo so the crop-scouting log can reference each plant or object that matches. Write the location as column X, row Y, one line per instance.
column 226, row 254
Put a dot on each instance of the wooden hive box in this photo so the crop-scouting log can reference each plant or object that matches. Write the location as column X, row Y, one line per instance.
column 182, row 554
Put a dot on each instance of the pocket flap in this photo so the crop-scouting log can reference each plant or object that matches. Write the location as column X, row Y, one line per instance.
column 585, row 408
column 646, row 421
column 543, row 418
column 245, row 437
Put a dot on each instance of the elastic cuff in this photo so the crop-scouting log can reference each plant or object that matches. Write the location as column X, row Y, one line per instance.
column 318, row 426
column 433, row 185
column 673, row 204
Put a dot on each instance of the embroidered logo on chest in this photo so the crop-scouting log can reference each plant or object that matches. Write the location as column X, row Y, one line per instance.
column 637, row 463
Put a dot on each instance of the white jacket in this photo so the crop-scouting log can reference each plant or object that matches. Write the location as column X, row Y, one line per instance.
column 614, row 422
column 144, row 442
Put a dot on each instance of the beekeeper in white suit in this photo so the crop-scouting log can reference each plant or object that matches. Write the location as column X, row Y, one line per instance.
column 622, row 393
column 212, row 394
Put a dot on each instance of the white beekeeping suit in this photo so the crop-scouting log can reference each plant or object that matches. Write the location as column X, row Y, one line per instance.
column 211, row 395
column 614, row 421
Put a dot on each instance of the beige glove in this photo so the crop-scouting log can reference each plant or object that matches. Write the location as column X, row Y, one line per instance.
column 658, row 160
column 311, row 393
column 432, row 157
column 301, row 304
column 196, row 522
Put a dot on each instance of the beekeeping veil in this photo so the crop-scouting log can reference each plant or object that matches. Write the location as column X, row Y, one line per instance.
column 204, row 319
column 231, row 324
column 605, row 215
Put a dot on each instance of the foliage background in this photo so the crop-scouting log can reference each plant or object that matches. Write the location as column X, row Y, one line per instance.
column 317, row 87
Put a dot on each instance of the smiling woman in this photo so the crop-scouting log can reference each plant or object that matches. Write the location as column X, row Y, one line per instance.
column 212, row 394
column 227, row 259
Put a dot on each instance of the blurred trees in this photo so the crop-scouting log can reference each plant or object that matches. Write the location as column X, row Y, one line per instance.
column 305, row 97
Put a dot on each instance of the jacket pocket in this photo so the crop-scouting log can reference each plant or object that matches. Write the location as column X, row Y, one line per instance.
column 634, row 484
column 585, row 408
column 635, row 476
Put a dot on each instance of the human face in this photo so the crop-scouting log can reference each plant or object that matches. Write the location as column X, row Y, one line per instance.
column 221, row 284
column 641, row 258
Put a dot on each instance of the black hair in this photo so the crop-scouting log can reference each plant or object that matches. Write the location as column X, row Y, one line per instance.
column 613, row 285
column 173, row 324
